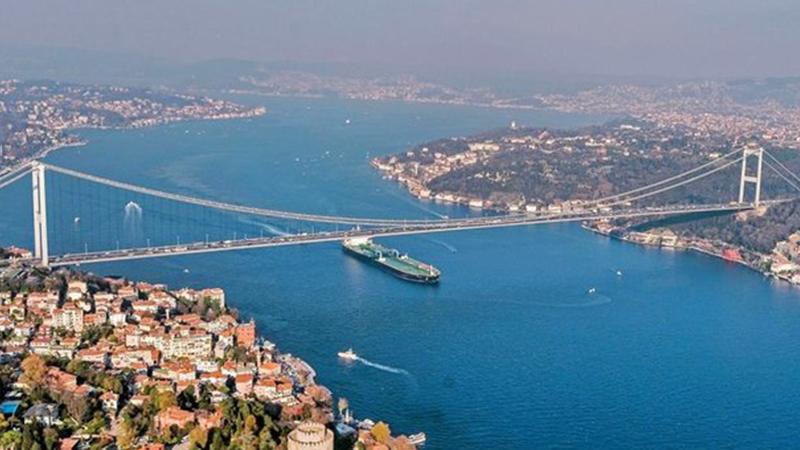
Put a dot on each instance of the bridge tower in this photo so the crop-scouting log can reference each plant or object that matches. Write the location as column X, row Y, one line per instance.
column 751, row 149
column 40, row 214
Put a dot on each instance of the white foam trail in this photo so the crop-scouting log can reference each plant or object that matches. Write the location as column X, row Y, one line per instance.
column 389, row 369
column 416, row 204
column 275, row 230
column 267, row 227
column 132, row 221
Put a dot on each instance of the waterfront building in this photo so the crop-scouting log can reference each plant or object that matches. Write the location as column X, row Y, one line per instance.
column 246, row 334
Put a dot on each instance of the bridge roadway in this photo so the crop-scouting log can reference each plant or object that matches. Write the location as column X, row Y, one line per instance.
column 444, row 226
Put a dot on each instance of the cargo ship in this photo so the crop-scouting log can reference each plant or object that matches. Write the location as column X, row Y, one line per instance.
column 391, row 260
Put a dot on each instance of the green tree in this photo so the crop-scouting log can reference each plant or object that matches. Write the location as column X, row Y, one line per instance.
column 187, row 399
column 50, row 438
column 250, row 423
column 112, row 384
column 265, row 439
column 163, row 400
column 31, row 435
column 217, row 442
column 205, row 398
column 126, row 434
column 11, row 440
column 198, row 437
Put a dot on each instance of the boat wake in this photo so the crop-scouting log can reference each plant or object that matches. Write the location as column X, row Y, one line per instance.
column 416, row 204
column 275, row 230
column 389, row 369
column 271, row 229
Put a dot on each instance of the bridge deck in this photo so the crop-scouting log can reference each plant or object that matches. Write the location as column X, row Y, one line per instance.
column 473, row 224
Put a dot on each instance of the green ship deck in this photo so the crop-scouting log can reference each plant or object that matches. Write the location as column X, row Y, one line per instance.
column 393, row 260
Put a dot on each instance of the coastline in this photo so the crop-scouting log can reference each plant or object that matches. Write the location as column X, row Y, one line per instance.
column 693, row 248
column 170, row 341
column 401, row 100
column 80, row 142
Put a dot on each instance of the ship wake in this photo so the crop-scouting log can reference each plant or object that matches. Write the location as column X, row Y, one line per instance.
column 382, row 367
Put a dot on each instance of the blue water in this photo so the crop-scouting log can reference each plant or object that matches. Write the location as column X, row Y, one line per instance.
column 510, row 351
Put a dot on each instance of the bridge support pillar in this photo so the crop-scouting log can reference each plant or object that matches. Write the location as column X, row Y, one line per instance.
column 757, row 151
column 40, row 215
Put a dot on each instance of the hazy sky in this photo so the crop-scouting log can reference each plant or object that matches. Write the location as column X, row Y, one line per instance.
column 617, row 37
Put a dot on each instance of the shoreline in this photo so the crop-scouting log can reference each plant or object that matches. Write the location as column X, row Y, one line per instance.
column 193, row 348
column 693, row 248
column 401, row 100
column 80, row 142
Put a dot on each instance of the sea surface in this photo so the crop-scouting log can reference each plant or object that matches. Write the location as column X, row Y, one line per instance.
column 511, row 350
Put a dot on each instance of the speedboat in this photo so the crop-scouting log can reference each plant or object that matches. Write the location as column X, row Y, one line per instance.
column 592, row 290
column 349, row 355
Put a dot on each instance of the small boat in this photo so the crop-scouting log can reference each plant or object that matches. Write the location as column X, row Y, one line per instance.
column 592, row 290
column 417, row 439
column 349, row 355
column 343, row 429
column 619, row 273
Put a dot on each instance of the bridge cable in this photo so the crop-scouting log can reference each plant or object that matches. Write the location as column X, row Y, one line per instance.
column 793, row 184
column 668, row 188
column 238, row 208
column 667, row 180
column 8, row 172
column 13, row 179
column 780, row 164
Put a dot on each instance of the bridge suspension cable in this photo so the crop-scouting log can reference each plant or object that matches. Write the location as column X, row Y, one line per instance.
column 673, row 186
column 666, row 180
column 784, row 177
column 14, row 175
column 241, row 208
column 623, row 198
column 781, row 165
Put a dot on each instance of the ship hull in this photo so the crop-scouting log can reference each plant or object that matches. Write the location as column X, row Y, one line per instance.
column 421, row 279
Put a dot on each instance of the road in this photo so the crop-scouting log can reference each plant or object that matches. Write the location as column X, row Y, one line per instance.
column 305, row 238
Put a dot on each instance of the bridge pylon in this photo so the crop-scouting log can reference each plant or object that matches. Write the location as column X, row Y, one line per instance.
column 751, row 149
column 40, row 214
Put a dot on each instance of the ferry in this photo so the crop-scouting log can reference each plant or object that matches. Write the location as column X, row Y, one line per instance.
column 349, row 355
column 391, row 260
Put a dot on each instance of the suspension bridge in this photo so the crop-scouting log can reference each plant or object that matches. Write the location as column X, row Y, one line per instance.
column 621, row 205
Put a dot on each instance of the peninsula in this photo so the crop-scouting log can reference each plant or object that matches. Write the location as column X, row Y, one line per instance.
column 93, row 362
column 38, row 116
column 668, row 131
